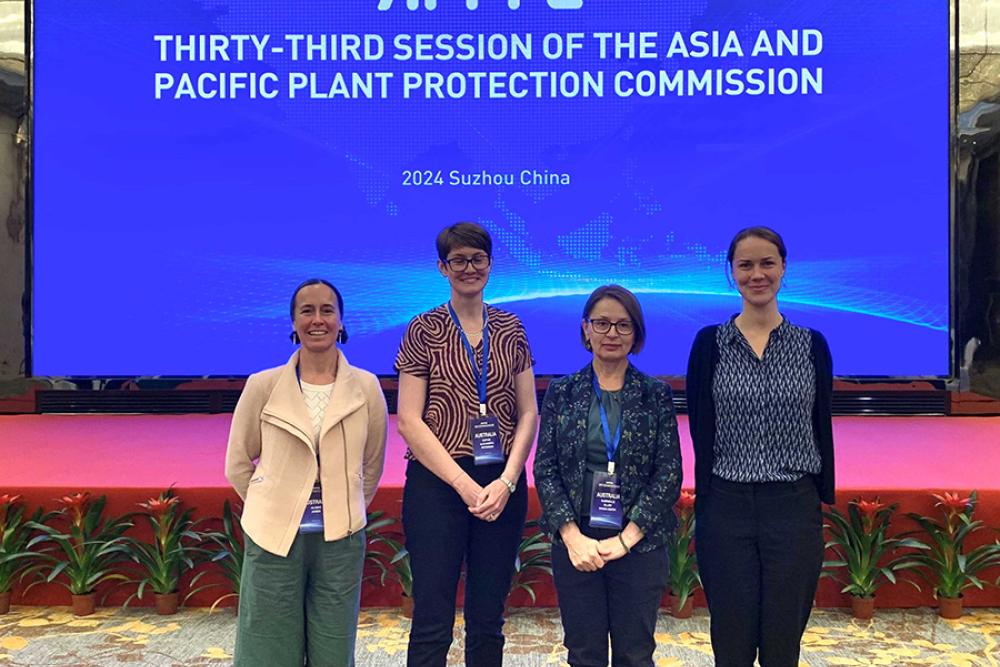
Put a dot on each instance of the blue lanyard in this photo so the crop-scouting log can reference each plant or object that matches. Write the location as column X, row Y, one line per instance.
column 478, row 374
column 610, row 444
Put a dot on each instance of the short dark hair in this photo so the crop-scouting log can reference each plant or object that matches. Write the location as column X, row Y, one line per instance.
column 316, row 281
column 760, row 232
column 463, row 234
column 631, row 305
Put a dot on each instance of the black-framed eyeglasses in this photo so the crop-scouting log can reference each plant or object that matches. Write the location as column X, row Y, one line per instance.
column 459, row 264
column 623, row 327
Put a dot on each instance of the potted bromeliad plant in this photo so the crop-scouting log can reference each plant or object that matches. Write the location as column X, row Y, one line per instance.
column 946, row 563
column 227, row 551
column 684, row 578
column 174, row 549
column 15, row 534
column 87, row 552
column 389, row 557
column 863, row 550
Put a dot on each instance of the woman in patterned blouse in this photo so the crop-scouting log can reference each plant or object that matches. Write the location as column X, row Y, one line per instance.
column 468, row 412
column 758, row 391
column 608, row 472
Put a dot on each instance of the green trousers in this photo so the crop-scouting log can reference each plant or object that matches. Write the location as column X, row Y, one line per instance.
column 303, row 608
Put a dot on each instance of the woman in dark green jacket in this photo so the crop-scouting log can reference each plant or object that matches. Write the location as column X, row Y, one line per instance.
column 608, row 472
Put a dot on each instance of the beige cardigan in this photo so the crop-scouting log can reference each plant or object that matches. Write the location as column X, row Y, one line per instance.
column 271, row 456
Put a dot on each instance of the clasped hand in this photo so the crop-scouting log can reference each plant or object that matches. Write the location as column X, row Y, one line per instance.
column 589, row 555
column 485, row 503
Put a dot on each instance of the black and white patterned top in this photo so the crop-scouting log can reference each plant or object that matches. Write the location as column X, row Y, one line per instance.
column 764, row 407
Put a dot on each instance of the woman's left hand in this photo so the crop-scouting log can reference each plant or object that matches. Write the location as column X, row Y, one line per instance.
column 611, row 548
column 491, row 501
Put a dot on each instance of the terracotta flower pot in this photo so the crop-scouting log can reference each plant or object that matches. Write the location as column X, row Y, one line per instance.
column 84, row 605
column 950, row 607
column 166, row 603
column 406, row 606
column 863, row 608
column 677, row 611
column 4, row 602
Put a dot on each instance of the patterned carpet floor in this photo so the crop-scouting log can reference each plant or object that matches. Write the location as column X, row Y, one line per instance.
column 40, row 637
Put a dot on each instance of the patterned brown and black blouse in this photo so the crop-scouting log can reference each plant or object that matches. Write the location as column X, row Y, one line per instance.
column 432, row 350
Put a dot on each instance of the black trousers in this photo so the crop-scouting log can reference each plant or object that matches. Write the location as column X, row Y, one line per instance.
column 620, row 600
column 760, row 551
column 441, row 533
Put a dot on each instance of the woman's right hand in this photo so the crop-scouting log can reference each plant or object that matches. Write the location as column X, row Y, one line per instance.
column 582, row 550
column 584, row 554
column 468, row 489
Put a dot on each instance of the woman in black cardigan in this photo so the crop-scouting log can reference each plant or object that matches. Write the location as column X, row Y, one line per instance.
column 608, row 472
column 758, row 392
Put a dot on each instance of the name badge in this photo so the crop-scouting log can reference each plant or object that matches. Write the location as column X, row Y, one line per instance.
column 484, row 431
column 606, row 501
column 312, row 518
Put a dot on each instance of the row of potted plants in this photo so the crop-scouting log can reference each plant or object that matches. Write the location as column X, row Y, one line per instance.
column 866, row 556
column 80, row 548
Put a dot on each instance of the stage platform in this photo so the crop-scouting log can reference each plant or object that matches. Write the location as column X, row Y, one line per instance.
column 133, row 457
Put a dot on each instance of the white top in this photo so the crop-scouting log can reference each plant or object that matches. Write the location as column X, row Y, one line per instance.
column 317, row 397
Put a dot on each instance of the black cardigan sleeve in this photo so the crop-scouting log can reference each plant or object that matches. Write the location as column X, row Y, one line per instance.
column 823, row 415
column 700, row 406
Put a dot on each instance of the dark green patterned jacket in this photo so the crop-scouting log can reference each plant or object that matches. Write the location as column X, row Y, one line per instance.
column 649, row 457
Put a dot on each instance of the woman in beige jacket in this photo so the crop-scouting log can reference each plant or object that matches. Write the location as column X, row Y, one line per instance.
column 305, row 453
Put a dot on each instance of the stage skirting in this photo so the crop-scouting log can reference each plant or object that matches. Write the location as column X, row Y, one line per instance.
column 133, row 457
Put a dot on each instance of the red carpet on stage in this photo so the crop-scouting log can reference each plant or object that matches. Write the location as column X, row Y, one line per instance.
column 133, row 457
